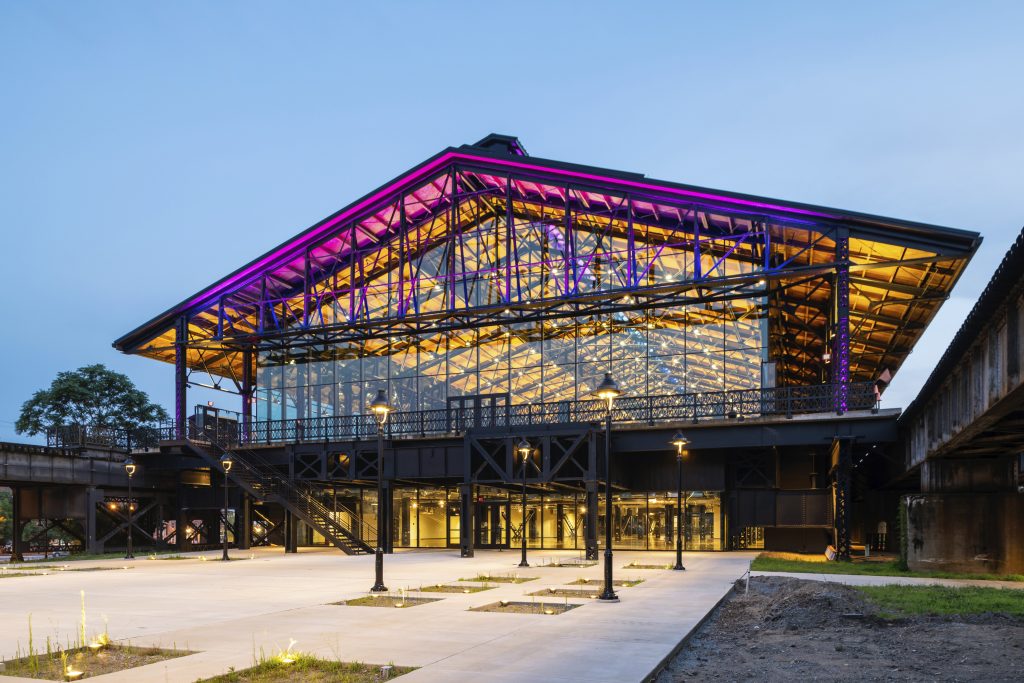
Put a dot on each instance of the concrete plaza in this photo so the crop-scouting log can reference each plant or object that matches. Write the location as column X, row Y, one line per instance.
column 230, row 613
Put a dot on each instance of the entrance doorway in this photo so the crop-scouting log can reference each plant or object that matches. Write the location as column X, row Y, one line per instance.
column 492, row 527
column 475, row 411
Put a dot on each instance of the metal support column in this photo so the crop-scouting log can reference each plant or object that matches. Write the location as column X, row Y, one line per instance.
column 247, row 391
column 841, row 465
column 180, row 377
column 841, row 340
column 93, row 499
column 290, row 532
column 466, row 520
column 590, row 527
column 181, row 527
column 17, row 554
column 243, row 521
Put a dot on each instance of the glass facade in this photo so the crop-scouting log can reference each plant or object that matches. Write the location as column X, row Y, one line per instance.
column 714, row 347
column 647, row 521
column 431, row 518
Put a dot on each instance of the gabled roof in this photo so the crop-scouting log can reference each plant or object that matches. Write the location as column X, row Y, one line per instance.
column 905, row 254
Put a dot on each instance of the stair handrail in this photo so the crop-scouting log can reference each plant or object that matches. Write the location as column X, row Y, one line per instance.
column 283, row 487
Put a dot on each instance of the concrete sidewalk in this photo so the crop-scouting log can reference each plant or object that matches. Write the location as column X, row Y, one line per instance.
column 870, row 580
column 230, row 613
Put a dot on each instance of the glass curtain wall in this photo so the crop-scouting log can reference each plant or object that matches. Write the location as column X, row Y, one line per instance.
column 430, row 518
column 708, row 348
column 648, row 521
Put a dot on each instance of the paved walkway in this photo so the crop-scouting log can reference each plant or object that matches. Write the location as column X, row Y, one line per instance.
column 870, row 580
column 229, row 613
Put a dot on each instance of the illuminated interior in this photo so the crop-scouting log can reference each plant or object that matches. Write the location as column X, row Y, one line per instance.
column 491, row 272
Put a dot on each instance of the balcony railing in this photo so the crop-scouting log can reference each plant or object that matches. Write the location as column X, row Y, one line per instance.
column 229, row 426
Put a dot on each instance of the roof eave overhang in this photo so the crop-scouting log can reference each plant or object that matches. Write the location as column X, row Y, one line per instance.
column 941, row 240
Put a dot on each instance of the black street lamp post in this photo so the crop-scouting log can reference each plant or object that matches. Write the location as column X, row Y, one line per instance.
column 680, row 442
column 129, row 468
column 226, row 462
column 381, row 409
column 524, row 448
column 608, row 391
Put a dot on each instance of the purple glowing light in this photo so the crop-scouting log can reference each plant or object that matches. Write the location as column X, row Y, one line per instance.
column 290, row 249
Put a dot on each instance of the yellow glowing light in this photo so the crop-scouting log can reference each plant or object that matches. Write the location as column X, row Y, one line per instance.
column 549, row 611
column 286, row 659
column 72, row 674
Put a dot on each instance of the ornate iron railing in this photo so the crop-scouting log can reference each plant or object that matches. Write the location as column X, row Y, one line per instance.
column 103, row 437
column 230, row 427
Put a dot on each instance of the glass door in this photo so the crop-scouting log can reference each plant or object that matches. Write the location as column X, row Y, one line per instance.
column 492, row 524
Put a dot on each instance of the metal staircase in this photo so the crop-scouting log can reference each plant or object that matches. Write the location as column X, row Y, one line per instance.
column 264, row 482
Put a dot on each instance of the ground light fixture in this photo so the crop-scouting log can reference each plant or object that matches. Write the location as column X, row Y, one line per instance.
column 608, row 390
column 130, row 468
column 380, row 409
column 226, row 464
column 524, row 448
column 681, row 443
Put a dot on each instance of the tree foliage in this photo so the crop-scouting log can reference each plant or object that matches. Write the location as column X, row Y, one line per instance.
column 92, row 395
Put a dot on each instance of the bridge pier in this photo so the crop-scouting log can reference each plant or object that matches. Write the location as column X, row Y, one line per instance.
column 968, row 518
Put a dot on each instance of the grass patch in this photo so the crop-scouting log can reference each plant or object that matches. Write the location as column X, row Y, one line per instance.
column 626, row 583
column 504, row 578
column 512, row 607
column 395, row 601
column 442, row 588
column 905, row 600
column 813, row 565
column 568, row 563
column 11, row 575
column 566, row 593
column 306, row 669
column 54, row 664
column 637, row 565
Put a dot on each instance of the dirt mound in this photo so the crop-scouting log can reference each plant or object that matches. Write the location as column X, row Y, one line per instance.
column 775, row 602
column 783, row 629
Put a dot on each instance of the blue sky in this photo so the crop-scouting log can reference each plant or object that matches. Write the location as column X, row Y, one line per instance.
column 148, row 148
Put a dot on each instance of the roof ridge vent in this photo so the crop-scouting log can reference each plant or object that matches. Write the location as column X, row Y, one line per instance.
column 509, row 144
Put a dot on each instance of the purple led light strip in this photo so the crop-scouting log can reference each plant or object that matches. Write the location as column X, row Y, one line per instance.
column 287, row 249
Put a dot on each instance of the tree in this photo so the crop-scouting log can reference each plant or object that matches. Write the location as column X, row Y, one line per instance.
column 91, row 395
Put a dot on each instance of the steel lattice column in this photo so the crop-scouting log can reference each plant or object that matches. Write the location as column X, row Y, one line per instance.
column 841, row 464
column 841, row 340
column 247, row 392
column 180, row 377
